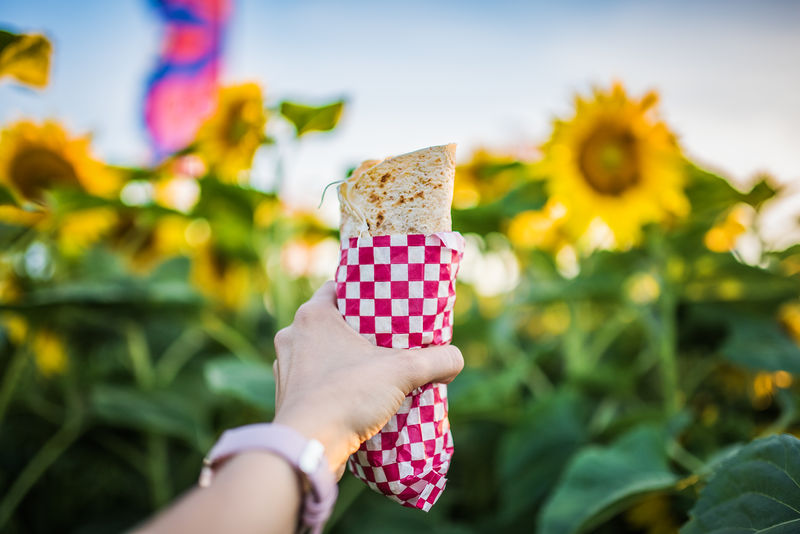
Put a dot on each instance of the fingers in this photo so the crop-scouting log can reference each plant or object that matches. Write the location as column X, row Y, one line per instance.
column 322, row 305
column 431, row 364
column 275, row 372
column 326, row 293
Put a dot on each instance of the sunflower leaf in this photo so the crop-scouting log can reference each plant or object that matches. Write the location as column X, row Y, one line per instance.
column 759, row 343
column 601, row 481
column 760, row 193
column 25, row 57
column 6, row 197
column 534, row 453
column 161, row 411
column 756, row 490
column 249, row 381
column 312, row 119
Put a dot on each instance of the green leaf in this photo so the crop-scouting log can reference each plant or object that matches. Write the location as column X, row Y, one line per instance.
column 118, row 292
column 312, row 119
column 534, row 454
column 491, row 217
column 25, row 57
column 6, row 197
column 601, row 481
column 759, row 343
column 251, row 382
column 161, row 411
column 760, row 193
column 755, row 491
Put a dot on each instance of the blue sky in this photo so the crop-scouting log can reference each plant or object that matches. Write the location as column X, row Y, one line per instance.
column 420, row 73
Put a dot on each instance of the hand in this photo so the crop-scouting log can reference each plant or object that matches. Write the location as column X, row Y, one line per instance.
column 335, row 386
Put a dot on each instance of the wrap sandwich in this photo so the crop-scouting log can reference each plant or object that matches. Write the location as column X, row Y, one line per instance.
column 395, row 285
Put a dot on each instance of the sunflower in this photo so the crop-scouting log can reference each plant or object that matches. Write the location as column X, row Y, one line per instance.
column 228, row 140
column 540, row 229
column 37, row 157
column 226, row 280
column 47, row 347
column 486, row 177
column 26, row 58
column 49, row 352
column 79, row 230
column 723, row 236
column 617, row 163
column 147, row 244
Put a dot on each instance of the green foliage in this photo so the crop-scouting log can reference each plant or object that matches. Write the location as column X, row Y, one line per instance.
column 758, row 343
column 312, row 118
column 597, row 380
column 754, row 491
column 534, row 453
column 601, row 481
column 251, row 382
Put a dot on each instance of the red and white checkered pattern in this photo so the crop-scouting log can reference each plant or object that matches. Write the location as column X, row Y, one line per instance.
column 398, row 291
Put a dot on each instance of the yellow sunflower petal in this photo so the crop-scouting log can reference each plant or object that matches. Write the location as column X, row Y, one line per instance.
column 27, row 59
column 49, row 353
column 615, row 162
column 37, row 157
column 228, row 140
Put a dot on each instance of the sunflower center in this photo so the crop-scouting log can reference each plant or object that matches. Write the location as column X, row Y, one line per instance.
column 237, row 126
column 35, row 169
column 609, row 160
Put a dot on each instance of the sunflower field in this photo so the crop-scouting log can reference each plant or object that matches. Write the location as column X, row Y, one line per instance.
column 631, row 341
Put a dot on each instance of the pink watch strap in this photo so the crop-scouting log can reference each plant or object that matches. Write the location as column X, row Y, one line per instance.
column 304, row 455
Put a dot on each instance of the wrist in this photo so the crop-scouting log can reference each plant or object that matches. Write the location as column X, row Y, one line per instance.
column 336, row 443
column 316, row 482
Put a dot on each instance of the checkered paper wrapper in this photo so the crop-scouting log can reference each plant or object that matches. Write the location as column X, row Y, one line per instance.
column 398, row 291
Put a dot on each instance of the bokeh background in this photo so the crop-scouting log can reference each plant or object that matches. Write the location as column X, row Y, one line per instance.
column 628, row 305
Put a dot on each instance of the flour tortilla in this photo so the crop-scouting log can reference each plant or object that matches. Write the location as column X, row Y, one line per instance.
column 406, row 194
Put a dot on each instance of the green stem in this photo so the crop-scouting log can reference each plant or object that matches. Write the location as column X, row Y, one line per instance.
column 11, row 378
column 574, row 349
column 157, row 461
column 667, row 350
column 46, row 456
column 144, row 373
column 666, row 333
column 230, row 338
column 178, row 354
column 684, row 458
column 140, row 356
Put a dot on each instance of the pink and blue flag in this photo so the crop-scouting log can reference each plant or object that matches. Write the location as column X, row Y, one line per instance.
column 181, row 91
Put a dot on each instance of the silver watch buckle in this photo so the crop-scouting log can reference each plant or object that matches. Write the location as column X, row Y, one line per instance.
column 311, row 457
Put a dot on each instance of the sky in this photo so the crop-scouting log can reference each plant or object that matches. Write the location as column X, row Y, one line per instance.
column 419, row 73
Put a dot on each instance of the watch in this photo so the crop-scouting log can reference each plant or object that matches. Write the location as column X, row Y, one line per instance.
column 306, row 456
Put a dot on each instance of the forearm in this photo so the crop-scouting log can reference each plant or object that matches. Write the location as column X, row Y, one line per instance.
column 256, row 491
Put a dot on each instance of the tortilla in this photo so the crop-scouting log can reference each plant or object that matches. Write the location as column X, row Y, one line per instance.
column 406, row 194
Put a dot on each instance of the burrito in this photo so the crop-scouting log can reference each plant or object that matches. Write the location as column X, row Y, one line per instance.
column 408, row 194
column 395, row 285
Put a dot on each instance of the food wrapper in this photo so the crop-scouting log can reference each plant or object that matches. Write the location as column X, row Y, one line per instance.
column 398, row 291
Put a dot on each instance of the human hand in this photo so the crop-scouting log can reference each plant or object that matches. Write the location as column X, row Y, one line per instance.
column 335, row 386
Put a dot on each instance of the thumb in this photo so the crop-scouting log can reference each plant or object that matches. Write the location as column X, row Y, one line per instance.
column 432, row 364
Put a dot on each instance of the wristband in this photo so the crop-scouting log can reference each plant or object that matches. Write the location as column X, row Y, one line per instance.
column 306, row 456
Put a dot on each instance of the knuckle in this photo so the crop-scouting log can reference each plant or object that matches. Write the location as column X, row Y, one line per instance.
column 282, row 338
column 416, row 365
column 305, row 313
column 457, row 357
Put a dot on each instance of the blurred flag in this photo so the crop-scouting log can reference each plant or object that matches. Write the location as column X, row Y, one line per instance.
column 181, row 92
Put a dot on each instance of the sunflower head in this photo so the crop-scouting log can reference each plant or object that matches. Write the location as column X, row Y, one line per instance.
column 228, row 140
column 49, row 352
column 226, row 280
column 37, row 157
column 540, row 229
column 616, row 162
